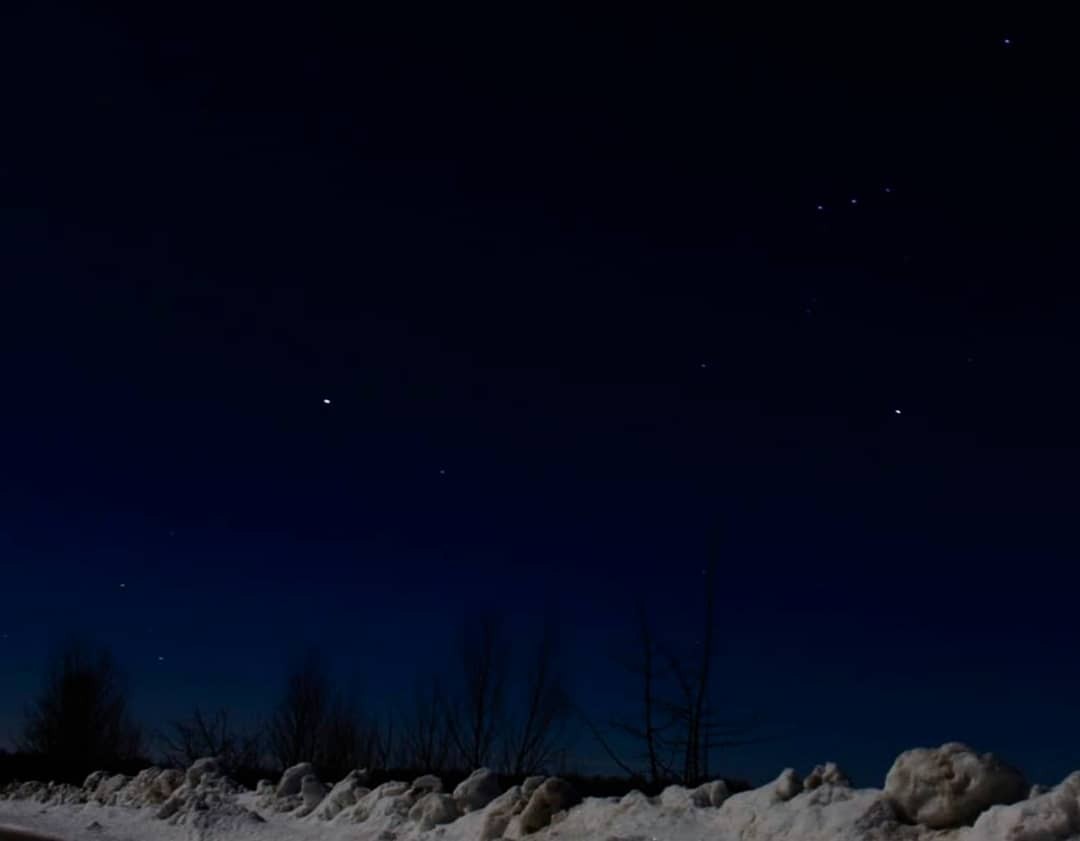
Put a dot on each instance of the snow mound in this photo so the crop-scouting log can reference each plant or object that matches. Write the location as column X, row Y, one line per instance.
column 299, row 791
column 202, row 769
column 206, row 801
column 495, row 817
column 476, row 790
column 53, row 794
column 550, row 797
column 1049, row 816
column 293, row 779
column 93, row 780
column 788, row 784
column 951, row 785
column 150, row 787
column 343, row 795
column 710, row 794
column 828, row 774
column 205, row 805
column 427, row 784
column 387, row 804
column 108, row 790
column 434, row 809
column 312, row 793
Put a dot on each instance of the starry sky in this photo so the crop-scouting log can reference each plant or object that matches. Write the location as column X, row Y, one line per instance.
column 586, row 292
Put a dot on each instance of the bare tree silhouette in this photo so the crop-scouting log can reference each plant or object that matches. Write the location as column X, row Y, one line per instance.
column 425, row 731
column 476, row 719
column 209, row 734
column 298, row 722
column 679, row 729
column 80, row 721
column 532, row 739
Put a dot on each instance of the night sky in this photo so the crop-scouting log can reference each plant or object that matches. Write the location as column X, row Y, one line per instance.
column 587, row 294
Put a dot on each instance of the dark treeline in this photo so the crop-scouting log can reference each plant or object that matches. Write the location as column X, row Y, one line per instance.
column 515, row 715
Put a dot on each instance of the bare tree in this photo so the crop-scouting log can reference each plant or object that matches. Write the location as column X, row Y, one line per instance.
column 315, row 722
column 678, row 728
column 80, row 721
column 693, row 687
column 532, row 740
column 425, row 732
column 298, row 722
column 475, row 720
column 698, row 730
column 345, row 741
column 209, row 734
column 385, row 742
column 645, row 728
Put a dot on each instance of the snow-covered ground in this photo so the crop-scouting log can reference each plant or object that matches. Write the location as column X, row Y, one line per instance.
column 942, row 794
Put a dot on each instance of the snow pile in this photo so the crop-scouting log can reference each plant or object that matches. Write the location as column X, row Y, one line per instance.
column 53, row 794
column 434, row 809
column 108, row 789
column 476, row 790
column 950, row 786
column 827, row 774
column 390, row 807
column 550, row 798
column 1049, row 816
column 710, row 794
column 287, row 795
column 342, row 796
column 206, row 800
column 942, row 794
column 150, row 787
column 293, row 779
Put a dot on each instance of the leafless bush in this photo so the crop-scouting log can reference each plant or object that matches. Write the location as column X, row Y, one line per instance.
column 80, row 721
column 209, row 734
column 533, row 738
column 425, row 730
column 475, row 720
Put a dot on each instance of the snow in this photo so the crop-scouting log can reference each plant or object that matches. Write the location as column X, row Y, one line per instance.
column 942, row 794
column 477, row 790
column 951, row 785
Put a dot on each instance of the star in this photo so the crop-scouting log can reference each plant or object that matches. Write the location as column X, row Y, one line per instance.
column 704, row 365
column 442, row 471
column 888, row 189
column 820, row 207
column 160, row 659
column 854, row 201
column 1007, row 42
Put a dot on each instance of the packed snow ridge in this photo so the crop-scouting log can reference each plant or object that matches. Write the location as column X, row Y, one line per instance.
column 949, row 793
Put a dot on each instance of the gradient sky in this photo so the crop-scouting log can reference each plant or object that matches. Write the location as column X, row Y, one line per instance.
column 566, row 282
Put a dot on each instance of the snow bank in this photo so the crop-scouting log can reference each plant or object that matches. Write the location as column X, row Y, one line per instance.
column 943, row 794
column 477, row 790
column 951, row 785
column 342, row 796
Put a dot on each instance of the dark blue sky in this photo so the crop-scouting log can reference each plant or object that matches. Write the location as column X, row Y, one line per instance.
column 566, row 284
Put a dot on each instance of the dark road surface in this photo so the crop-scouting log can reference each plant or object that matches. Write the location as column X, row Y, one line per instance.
column 14, row 833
